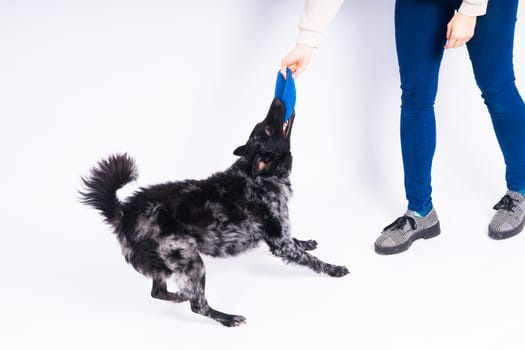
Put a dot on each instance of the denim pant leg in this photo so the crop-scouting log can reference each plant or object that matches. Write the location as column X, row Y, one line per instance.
column 490, row 51
column 420, row 37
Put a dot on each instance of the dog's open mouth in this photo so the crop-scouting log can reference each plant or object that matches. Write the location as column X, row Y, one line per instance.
column 287, row 126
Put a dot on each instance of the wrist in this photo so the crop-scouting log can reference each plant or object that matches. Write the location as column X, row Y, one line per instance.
column 309, row 38
column 304, row 47
column 461, row 14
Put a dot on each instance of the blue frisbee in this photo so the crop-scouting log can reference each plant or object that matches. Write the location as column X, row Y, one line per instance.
column 285, row 91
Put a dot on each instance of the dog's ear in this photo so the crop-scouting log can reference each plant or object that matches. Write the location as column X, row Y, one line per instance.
column 240, row 151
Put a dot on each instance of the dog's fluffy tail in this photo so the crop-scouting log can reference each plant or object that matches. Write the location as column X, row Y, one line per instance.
column 102, row 184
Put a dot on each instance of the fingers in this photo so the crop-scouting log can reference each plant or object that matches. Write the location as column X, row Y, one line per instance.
column 297, row 71
column 288, row 62
column 291, row 62
column 283, row 70
column 455, row 42
column 293, row 68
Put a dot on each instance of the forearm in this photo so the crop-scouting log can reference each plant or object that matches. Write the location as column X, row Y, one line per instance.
column 317, row 14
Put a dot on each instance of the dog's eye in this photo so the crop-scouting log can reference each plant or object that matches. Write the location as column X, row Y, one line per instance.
column 267, row 130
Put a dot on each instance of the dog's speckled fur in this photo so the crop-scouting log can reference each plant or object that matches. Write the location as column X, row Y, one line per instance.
column 163, row 228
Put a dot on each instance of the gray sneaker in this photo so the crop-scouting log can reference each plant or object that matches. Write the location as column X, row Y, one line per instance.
column 510, row 216
column 399, row 235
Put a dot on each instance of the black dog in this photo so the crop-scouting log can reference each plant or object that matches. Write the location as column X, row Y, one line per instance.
column 163, row 228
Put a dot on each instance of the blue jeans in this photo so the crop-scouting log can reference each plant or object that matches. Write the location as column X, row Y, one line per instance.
column 420, row 38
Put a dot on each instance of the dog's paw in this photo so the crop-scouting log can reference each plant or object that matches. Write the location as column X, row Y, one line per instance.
column 233, row 321
column 337, row 271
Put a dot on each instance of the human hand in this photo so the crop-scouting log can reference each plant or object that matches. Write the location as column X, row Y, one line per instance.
column 297, row 60
column 460, row 30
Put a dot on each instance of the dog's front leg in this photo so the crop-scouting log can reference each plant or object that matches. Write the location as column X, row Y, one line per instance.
column 276, row 233
column 290, row 251
column 306, row 245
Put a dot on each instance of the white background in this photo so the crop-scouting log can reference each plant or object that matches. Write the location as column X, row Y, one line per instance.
column 179, row 85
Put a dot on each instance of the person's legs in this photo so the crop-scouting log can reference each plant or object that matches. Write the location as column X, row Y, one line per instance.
column 491, row 51
column 491, row 54
column 420, row 39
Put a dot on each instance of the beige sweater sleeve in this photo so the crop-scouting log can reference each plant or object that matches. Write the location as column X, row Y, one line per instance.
column 317, row 14
column 474, row 7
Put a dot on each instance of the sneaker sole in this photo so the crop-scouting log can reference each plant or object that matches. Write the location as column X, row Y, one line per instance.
column 505, row 234
column 427, row 233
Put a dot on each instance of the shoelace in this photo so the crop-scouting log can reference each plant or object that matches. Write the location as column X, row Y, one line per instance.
column 506, row 203
column 400, row 222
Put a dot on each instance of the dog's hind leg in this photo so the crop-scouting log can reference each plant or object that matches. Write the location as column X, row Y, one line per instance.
column 290, row 251
column 192, row 282
column 180, row 253
column 159, row 290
